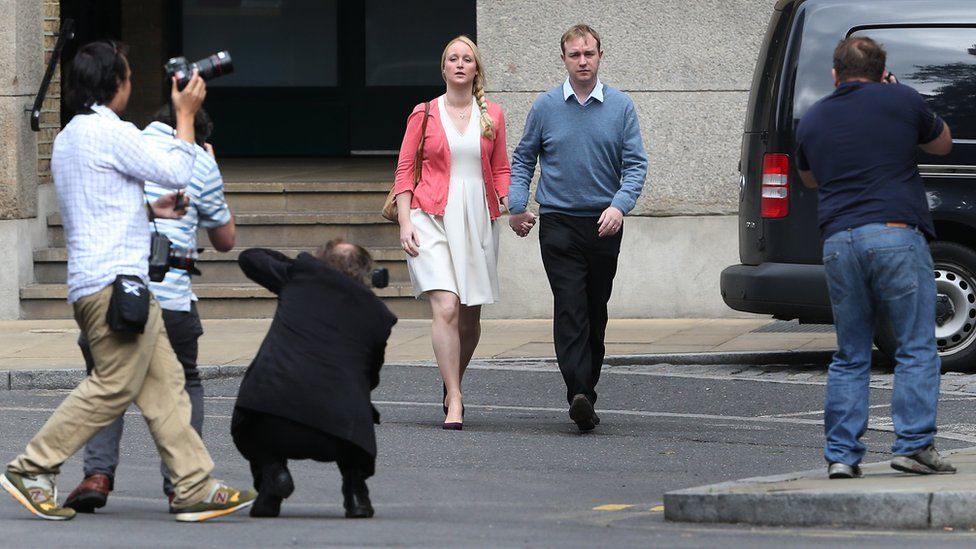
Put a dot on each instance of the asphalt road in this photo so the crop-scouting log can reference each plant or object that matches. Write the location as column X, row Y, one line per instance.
column 519, row 474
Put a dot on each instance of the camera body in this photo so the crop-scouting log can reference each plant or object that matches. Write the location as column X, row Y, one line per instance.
column 164, row 255
column 209, row 68
column 380, row 278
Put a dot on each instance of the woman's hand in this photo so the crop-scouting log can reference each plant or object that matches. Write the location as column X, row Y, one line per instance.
column 409, row 240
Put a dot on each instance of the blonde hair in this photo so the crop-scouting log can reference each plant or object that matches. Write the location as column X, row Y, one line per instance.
column 477, row 86
column 579, row 31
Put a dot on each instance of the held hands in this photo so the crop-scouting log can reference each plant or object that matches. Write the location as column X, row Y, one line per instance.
column 522, row 223
column 889, row 77
column 610, row 222
column 165, row 206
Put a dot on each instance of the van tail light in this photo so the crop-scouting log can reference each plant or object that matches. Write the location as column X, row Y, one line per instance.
column 775, row 186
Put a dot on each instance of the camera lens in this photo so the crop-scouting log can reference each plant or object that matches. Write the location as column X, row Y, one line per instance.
column 215, row 65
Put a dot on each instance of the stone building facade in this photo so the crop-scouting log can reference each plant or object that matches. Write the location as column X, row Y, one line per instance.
column 687, row 65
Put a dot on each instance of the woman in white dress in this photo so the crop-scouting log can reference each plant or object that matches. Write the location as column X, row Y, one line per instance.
column 447, row 221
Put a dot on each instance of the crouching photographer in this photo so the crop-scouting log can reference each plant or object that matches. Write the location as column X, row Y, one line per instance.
column 306, row 395
column 171, row 261
column 100, row 164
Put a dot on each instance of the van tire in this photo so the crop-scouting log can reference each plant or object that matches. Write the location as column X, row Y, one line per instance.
column 955, row 271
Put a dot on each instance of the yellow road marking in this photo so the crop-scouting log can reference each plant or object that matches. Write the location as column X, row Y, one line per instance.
column 612, row 507
column 657, row 509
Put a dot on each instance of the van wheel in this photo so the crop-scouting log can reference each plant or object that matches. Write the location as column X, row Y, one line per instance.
column 955, row 323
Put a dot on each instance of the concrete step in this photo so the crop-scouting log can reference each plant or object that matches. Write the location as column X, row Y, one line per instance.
column 245, row 197
column 50, row 265
column 290, row 229
column 47, row 301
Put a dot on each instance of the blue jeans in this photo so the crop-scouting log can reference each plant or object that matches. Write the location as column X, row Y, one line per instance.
column 875, row 270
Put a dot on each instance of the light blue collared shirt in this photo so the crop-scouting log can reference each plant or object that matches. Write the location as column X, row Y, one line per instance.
column 597, row 92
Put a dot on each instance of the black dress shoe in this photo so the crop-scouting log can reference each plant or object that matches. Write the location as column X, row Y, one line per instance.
column 355, row 498
column 581, row 412
column 276, row 485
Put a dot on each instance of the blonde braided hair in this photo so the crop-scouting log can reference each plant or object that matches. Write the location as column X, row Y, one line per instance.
column 477, row 86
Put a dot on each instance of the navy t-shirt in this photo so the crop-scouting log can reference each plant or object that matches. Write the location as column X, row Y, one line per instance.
column 861, row 143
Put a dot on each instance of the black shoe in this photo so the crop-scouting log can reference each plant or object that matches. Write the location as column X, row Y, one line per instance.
column 596, row 419
column 276, row 485
column 581, row 411
column 355, row 498
column 926, row 461
column 837, row 470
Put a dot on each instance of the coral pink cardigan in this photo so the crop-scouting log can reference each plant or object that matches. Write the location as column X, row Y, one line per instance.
column 430, row 195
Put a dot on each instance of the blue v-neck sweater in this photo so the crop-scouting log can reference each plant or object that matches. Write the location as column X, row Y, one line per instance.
column 591, row 156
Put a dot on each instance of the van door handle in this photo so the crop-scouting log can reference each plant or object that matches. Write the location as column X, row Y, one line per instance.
column 947, row 170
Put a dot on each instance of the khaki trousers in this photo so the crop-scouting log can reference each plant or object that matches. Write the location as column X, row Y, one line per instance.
column 140, row 368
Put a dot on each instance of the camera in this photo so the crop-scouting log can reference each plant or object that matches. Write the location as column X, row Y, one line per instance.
column 164, row 255
column 209, row 68
column 380, row 278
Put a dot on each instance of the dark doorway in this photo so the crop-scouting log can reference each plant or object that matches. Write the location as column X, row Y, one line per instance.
column 313, row 78
column 320, row 77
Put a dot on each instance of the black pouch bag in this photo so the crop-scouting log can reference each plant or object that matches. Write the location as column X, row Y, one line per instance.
column 128, row 309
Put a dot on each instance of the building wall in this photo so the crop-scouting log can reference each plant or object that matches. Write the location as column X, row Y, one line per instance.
column 22, row 30
column 688, row 67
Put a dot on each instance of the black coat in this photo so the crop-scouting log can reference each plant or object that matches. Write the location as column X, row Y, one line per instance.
column 323, row 352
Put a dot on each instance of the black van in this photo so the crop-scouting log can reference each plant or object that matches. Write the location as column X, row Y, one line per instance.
column 931, row 46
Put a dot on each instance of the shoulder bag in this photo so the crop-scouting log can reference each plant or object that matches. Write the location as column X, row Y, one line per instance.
column 390, row 206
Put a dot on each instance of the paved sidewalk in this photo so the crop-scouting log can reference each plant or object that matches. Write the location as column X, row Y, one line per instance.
column 51, row 344
column 883, row 498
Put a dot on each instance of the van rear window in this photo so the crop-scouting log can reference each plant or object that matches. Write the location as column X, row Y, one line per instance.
column 939, row 62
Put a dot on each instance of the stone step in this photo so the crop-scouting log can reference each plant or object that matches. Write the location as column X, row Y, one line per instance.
column 290, row 229
column 47, row 301
column 304, row 197
column 50, row 265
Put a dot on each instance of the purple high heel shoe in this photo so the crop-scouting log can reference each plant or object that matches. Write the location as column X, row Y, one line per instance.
column 453, row 425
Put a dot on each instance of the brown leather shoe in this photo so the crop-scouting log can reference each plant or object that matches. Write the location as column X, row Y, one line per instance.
column 91, row 494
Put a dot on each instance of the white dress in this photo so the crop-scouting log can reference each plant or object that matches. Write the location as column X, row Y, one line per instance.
column 459, row 251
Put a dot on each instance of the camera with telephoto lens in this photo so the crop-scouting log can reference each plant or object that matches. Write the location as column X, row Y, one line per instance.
column 380, row 278
column 209, row 68
column 164, row 255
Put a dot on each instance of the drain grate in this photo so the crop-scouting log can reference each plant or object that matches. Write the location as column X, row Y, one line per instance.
column 794, row 327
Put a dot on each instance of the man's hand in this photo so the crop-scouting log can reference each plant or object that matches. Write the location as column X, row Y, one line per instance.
column 186, row 103
column 165, row 206
column 522, row 223
column 610, row 222
column 888, row 77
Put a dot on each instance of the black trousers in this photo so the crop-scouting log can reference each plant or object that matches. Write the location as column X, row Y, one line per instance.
column 265, row 439
column 580, row 266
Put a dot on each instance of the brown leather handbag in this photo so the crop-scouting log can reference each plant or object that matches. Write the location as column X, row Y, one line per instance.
column 390, row 206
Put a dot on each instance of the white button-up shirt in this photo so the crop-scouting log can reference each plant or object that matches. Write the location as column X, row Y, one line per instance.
column 99, row 165
column 596, row 94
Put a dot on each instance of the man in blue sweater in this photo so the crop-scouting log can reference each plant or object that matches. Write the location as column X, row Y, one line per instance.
column 587, row 139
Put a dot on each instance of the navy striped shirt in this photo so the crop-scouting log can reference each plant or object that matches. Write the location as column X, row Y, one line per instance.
column 207, row 210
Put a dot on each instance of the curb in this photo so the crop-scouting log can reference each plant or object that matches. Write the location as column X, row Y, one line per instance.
column 68, row 378
column 887, row 507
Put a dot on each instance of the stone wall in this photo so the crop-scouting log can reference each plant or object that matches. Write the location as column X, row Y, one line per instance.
column 688, row 68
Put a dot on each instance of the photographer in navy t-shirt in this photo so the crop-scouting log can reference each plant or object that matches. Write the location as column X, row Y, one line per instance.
column 859, row 147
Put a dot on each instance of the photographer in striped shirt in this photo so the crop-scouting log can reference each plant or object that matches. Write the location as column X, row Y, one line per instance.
column 207, row 209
